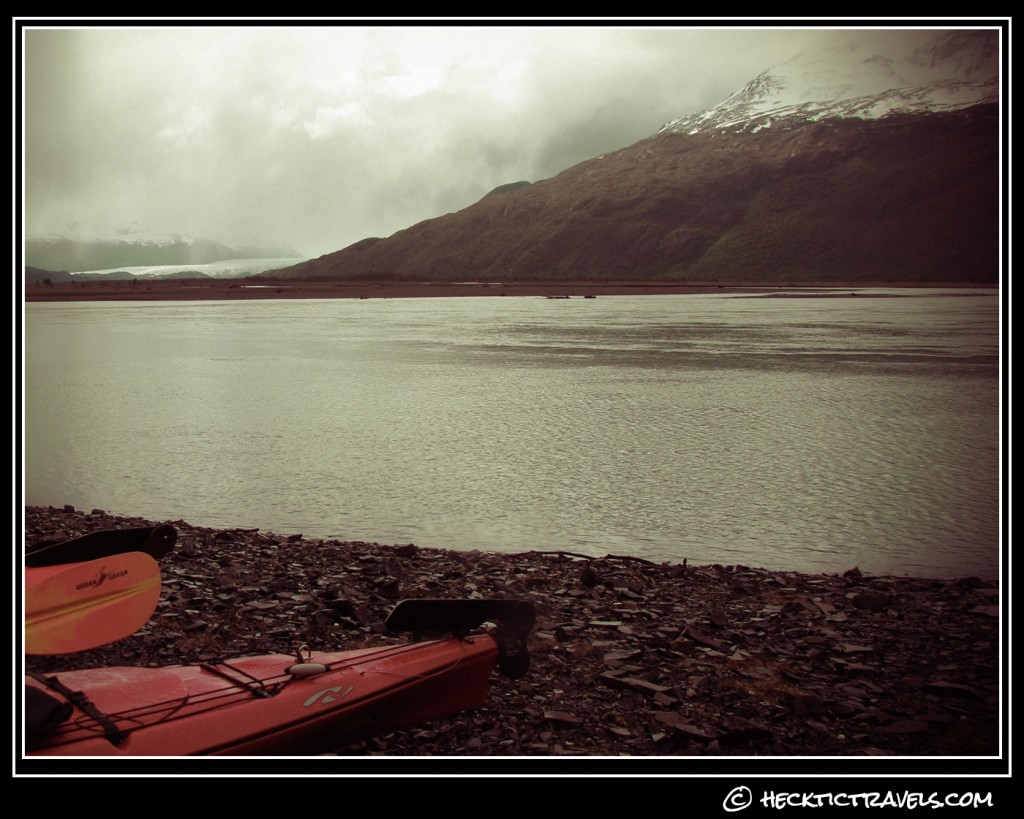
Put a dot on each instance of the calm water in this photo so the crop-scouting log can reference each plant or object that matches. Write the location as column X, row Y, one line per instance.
column 813, row 434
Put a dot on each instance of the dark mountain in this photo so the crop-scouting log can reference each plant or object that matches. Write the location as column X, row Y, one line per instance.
column 36, row 275
column 828, row 167
column 909, row 197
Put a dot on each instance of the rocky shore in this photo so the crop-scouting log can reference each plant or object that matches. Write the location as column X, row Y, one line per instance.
column 629, row 658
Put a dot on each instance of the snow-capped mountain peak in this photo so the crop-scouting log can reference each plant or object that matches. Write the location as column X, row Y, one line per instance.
column 954, row 70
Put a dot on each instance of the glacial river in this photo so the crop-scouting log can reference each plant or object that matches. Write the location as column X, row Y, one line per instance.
column 812, row 434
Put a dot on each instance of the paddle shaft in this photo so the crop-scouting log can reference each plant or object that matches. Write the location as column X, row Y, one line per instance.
column 155, row 541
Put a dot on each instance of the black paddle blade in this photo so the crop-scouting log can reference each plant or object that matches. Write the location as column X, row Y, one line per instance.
column 156, row 541
column 514, row 619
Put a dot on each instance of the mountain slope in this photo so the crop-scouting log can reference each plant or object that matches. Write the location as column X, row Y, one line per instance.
column 902, row 198
column 829, row 167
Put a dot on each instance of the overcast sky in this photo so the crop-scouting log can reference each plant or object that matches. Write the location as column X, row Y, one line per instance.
column 317, row 136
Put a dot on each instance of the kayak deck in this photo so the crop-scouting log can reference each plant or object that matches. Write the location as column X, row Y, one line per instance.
column 273, row 704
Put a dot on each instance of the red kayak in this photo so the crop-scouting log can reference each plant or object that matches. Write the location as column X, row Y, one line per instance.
column 278, row 704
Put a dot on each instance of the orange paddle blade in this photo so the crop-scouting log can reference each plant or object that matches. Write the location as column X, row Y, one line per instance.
column 78, row 606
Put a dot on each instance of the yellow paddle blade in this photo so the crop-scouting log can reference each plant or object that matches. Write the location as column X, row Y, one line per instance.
column 78, row 606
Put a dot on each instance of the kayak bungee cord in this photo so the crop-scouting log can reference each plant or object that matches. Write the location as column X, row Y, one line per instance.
column 258, row 687
column 112, row 726
column 84, row 704
column 294, row 702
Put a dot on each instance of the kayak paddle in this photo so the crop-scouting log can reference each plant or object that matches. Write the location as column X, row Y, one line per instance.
column 78, row 606
column 155, row 541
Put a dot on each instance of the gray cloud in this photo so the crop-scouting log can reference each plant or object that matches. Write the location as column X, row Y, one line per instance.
column 320, row 136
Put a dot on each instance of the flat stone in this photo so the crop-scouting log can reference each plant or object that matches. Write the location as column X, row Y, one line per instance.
column 677, row 723
column 950, row 688
column 634, row 684
column 750, row 678
column 562, row 716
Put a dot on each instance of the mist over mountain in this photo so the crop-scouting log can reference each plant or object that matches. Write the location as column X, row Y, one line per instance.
column 76, row 254
column 834, row 165
column 953, row 71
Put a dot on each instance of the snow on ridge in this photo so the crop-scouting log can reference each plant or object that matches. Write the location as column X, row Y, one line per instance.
column 954, row 70
column 226, row 269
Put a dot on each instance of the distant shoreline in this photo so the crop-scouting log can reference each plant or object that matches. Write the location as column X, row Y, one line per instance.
column 236, row 289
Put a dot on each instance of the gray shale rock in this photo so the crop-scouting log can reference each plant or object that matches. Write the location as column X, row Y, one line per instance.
column 629, row 657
